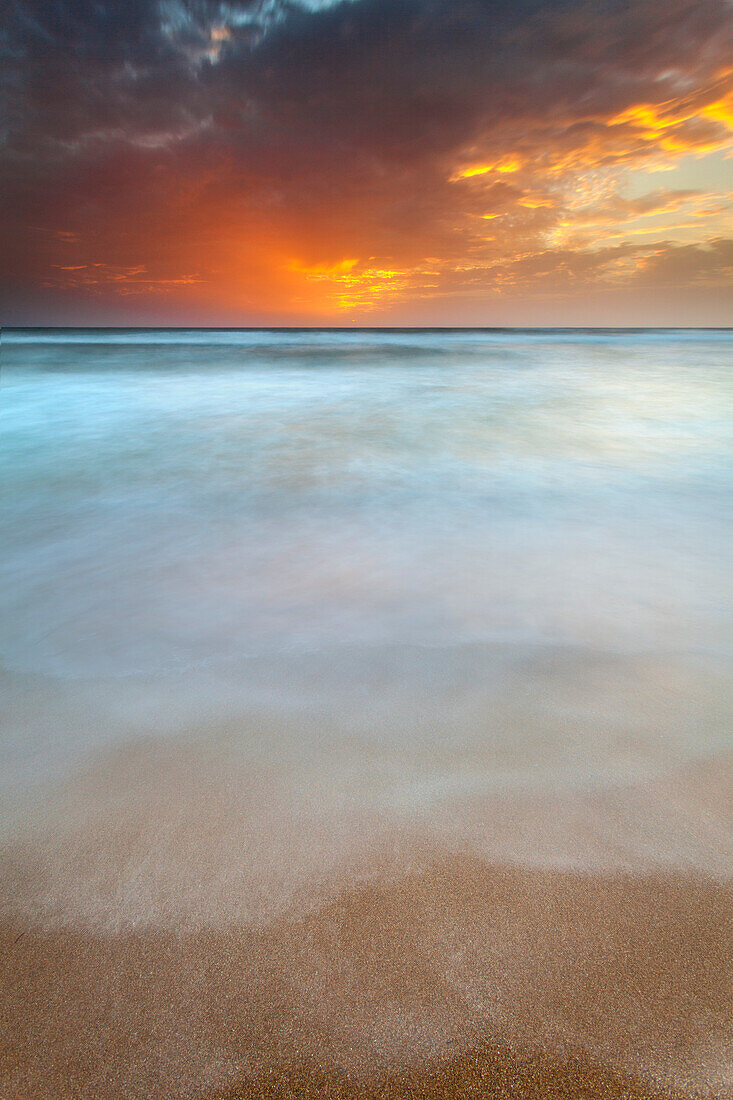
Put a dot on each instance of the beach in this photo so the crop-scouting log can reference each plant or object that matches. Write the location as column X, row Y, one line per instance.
column 439, row 982
column 366, row 721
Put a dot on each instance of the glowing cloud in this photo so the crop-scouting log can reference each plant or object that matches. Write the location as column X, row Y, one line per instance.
column 170, row 160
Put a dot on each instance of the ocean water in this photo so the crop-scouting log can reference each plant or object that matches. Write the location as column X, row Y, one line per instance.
column 290, row 595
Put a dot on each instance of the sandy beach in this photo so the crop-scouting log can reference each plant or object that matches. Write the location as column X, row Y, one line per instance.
column 456, row 980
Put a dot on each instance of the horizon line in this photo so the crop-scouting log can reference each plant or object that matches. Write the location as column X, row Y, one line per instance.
column 366, row 328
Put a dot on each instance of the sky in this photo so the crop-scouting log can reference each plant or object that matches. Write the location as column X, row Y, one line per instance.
column 366, row 162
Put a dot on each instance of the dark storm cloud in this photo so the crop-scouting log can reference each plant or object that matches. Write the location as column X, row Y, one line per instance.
column 341, row 125
column 386, row 79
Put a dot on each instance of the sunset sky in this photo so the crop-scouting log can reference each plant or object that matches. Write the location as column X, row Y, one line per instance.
column 368, row 162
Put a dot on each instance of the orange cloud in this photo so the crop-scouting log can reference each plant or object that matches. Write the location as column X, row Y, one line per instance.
column 237, row 167
column 504, row 166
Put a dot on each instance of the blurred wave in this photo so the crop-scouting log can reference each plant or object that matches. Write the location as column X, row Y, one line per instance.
column 170, row 497
column 460, row 563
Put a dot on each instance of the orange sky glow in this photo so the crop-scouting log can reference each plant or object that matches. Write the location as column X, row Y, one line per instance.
column 369, row 162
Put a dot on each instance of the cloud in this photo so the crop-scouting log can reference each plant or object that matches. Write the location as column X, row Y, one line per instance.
column 263, row 144
column 688, row 265
column 123, row 280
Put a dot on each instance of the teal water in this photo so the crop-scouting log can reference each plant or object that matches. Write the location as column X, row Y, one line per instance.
column 173, row 498
column 432, row 564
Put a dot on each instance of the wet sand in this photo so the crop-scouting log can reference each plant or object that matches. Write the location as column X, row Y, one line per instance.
column 458, row 979
column 284, row 914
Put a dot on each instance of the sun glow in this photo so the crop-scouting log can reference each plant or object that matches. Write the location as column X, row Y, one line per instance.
column 351, row 284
